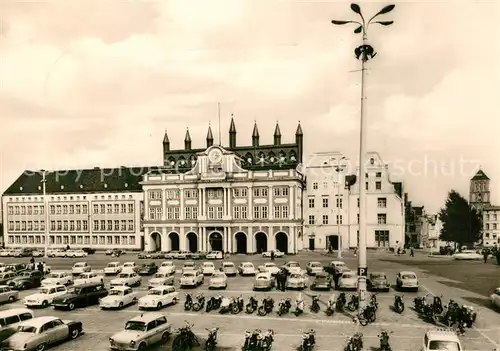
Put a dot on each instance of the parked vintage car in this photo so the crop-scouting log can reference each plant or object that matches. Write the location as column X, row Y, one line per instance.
column 495, row 298
column 270, row 267
column 89, row 277
column 322, row 281
column 108, row 252
column 263, row 281
column 246, row 268
column 189, row 266
column 218, row 280
column 76, row 253
column 7, row 294
column 377, row 281
column 348, row 280
column 468, row 255
column 6, row 276
column 296, row 281
column 407, row 280
column 16, row 267
column 129, row 266
column 215, row 255
column 26, row 280
column 80, row 296
column 277, row 254
column 118, row 297
column 208, row 268
column 172, row 255
column 159, row 297
column 126, row 278
column 336, row 268
column 161, row 278
column 113, row 268
column 81, row 267
column 41, row 332
column 191, row 278
column 314, row 268
column 441, row 339
column 148, row 269
column 293, row 267
column 44, row 296
column 142, row 331
column 58, row 278
column 167, row 267
column 229, row 268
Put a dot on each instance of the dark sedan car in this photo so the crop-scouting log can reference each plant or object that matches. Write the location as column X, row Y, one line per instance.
column 322, row 281
column 6, row 276
column 378, row 282
column 26, row 280
column 148, row 269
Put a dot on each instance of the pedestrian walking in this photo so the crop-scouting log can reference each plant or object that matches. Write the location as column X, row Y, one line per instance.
column 278, row 280
column 272, row 255
column 485, row 255
column 40, row 267
column 412, row 254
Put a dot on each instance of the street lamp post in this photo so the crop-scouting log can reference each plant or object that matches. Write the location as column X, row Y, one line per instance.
column 46, row 213
column 339, row 168
column 363, row 53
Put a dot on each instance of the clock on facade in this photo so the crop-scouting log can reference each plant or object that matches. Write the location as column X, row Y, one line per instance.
column 215, row 156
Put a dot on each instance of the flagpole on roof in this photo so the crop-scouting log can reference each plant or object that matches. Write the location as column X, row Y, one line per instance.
column 218, row 115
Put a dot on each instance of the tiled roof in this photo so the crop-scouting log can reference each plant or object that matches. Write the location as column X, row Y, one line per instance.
column 480, row 175
column 80, row 181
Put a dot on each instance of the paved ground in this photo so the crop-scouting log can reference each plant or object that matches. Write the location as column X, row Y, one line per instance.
column 331, row 331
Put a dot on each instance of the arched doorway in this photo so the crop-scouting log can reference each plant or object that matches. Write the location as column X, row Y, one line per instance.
column 215, row 240
column 192, row 241
column 174, row 241
column 155, row 242
column 282, row 242
column 241, row 243
column 260, row 242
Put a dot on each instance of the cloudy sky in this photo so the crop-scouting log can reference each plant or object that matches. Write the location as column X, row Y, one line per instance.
column 89, row 83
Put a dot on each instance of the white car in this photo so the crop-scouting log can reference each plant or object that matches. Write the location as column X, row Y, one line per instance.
column 130, row 266
column 81, row 267
column 293, row 267
column 161, row 278
column 189, row 266
column 495, row 298
column 468, row 255
column 277, row 254
column 338, row 267
column 88, row 278
column 269, row 267
column 441, row 339
column 348, row 280
column 297, row 281
column 191, row 278
column 229, row 268
column 44, row 296
column 407, row 280
column 314, row 268
column 263, row 281
column 76, row 253
column 58, row 278
column 247, row 268
column 167, row 267
column 218, row 280
column 141, row 332
column 215, row 255
column 208, row 268
column 113, row 268
column 118, row 297
column 126, row 278
column 159, row 297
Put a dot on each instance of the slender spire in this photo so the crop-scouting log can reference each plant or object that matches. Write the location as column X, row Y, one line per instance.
column 188, row 137
column 277, row 131
column 255, row 133
column 299, row 130
column 232, row 127
column 210, row 136
column 165, row 138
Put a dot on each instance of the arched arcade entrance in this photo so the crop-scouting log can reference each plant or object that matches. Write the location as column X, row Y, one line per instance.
column 281, row 242
column 241, row 243
column 155, row 242
column 192, row 242
column 260, row 242
column 174, row 241
column 215, row 241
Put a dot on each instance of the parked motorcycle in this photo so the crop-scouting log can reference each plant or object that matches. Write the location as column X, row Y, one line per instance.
column 226, row 305
column 428, row 313
column 266, row 340
column 308, row 340
column 185, row 339
column 373, row 301
column 284, row 306
column 266, row 307
column 213, row 303
column 315, row 304
column 237, row 305
column 354, row 342
column 419, row 303
column 437, row 305
column 252, row 305
column 384, row 341
column 341, row 302
column 399, row 305
column 353, row 303
column 211, row 342
column 467, row 315
column 368, row 315
column 330, row 306
column 200, row 303
column 299, row 307
column 252, row 340
column 188, row 304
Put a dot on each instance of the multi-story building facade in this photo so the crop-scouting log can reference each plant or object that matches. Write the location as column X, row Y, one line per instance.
column 431, row 230
column 415, row 218
column 491, row 226
column 239, row 199
column 98, row 208
column 331, row 204
column 479, row 193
